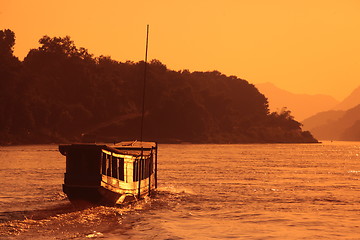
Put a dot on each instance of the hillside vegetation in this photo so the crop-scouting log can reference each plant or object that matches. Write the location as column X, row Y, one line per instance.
column 61, row 93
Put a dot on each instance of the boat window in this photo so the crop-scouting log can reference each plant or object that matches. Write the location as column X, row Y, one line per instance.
column 136, row 171
column 144, row 168
column 108, row 165
column 121, row 169
column 114, row 166
column 103, row 163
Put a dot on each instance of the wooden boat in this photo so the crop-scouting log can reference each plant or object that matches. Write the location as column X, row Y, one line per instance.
column 109, row 175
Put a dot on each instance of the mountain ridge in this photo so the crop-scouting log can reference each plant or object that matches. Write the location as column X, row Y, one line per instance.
column 301, row 106
column 328, row 119
column 339, row 123
column 335, row 124
column 350, row 101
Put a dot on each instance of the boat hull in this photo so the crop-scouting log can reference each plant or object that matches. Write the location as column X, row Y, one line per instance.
column 89, row 196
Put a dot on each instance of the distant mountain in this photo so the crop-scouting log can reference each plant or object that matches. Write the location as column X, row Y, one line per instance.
column 351, row 101
column 335, row 125
column 323, row 124
column 301, row 106
column 322, row 118
column 340, row 123
column 352, row 133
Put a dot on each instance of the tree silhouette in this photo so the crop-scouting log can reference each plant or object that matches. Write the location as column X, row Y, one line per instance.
column 61, row 92
column 10, row 78
column 7, row 42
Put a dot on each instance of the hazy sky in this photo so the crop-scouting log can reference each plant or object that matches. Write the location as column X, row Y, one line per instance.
column 303, row 46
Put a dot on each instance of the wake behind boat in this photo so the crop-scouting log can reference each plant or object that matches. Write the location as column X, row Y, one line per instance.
column 109, row 175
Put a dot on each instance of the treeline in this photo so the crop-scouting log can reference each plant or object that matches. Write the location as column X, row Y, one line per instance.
column 62, row 93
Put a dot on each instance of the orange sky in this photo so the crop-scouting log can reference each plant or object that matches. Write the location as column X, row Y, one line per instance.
column 303, row 46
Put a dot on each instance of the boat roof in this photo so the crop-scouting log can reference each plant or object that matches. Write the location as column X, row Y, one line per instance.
column 134, row 148
column 135, row 144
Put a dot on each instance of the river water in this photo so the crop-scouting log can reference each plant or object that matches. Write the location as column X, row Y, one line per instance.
column 251, row 191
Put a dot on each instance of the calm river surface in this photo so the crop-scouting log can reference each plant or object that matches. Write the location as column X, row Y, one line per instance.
column 254, row 191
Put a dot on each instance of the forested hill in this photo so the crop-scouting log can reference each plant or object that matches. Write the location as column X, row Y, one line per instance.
column 61, row 93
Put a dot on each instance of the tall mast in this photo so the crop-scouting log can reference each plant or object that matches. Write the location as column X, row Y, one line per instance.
column 142, row 115
column 144, row 84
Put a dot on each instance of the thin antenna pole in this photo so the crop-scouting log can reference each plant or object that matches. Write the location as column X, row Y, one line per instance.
column 144, row 86
column 143, row 113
